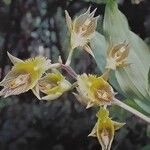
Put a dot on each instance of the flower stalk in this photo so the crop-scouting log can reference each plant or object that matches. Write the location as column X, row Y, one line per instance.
column 132, row 110
column 68, row 62
column 69, row 70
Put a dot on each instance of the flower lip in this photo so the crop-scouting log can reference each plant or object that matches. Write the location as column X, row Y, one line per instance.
column 20, row 80
column 15, row 86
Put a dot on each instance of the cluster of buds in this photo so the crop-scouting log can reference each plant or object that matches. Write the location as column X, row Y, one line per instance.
column 32, row 74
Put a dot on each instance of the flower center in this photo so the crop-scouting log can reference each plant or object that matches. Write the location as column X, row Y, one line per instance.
column 119, row 53
column 102, row 94
column 84, row 27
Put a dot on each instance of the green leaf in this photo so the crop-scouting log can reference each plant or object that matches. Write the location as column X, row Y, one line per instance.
column 99, row 46
column 132, row 79
column 121, row 116
column 134, row 105
column 149, row 81
column 145, row 105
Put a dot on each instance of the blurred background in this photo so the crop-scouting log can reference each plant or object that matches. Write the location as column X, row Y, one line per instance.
column 37, row 27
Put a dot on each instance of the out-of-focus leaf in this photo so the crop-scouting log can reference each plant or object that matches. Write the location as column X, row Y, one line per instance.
column 145, row 105
column 121, row 116
column 7, row 2
column 5, row 102
column 96, row 1
column 132, row 79
column 148, row 131
column 147, row 147
column 99, row 46
column 149, row 80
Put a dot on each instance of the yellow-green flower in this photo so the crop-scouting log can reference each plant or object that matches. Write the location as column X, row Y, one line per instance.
column 24, row 75
column 53, row 85
column 117, row 55
column 105, row 128
column 82, row 29
column 94, row 90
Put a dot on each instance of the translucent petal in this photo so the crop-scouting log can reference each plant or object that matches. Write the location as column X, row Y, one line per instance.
column 36, row 91
column 79, row 21
column 93, row 132
column 68, row 21
column 91, row 27
column 52, row 96
column 118, row 125
column 14, row 59
column 88, row 49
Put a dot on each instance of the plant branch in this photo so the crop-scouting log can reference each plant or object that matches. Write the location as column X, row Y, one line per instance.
column 132, row 110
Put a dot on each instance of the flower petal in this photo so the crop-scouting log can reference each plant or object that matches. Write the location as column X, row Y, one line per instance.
column 14, row 59
column 118, row 125
column 52, row 96
column 36, row 91
column 91, row 28
column 68, row 20
column 93, row 132
column 88, row 49
column 79, row 21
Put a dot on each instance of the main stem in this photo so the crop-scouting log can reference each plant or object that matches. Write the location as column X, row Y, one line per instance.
column 132, row 110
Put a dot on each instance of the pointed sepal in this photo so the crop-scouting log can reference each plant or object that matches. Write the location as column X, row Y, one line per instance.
column 14, row 59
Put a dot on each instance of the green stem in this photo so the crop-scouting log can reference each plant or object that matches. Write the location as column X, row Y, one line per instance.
column 132, row 110
column 68, row 62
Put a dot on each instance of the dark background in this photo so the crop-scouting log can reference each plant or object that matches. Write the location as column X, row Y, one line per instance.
column 37, row 27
